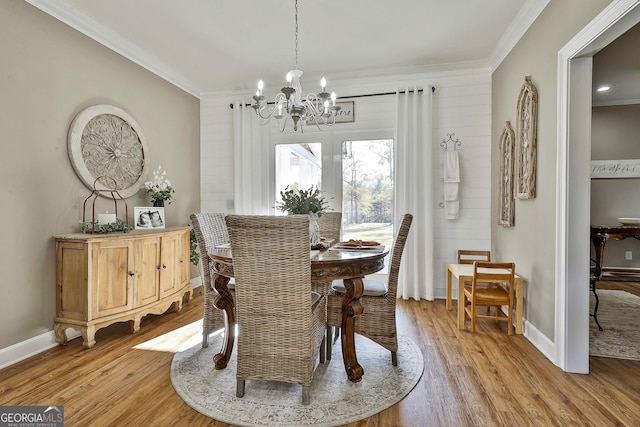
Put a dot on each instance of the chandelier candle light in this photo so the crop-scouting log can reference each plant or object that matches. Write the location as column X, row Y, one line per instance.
column 318, row 109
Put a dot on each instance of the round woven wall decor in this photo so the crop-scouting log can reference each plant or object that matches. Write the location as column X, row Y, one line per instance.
column 105, row 141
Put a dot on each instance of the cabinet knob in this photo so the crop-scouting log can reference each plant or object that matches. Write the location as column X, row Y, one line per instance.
column 131, row 273
column 164, row 266
column 158, row 268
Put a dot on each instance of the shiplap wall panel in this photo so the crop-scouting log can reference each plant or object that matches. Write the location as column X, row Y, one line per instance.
column 216, row 155
column 461, row 106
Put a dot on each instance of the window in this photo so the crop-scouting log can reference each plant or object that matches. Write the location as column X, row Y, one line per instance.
column 367, row 190
column 297, row 166
column 355, row 175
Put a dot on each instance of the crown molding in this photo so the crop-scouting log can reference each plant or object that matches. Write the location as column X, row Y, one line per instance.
column 64, row 12
column 518, row 27
column 615, row 102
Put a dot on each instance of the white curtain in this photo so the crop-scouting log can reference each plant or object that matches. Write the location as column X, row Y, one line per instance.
column 413, row 167
column 250, row 161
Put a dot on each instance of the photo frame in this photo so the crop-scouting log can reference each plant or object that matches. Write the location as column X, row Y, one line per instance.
column 346, row 114
column 148, row 218
column 625, row 168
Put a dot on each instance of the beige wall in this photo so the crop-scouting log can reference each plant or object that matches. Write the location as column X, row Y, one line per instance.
column 48, row 73
column 614, row 135
column 531, row 242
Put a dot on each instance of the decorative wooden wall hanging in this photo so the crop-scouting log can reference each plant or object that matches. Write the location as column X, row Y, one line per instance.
column 505, row 185
column 107, row 145
column 526, row 140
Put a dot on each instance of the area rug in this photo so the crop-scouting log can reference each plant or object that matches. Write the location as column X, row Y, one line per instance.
column 619, row 315
column 334, row 399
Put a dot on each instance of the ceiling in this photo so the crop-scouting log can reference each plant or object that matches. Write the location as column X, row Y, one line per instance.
column 210, row 46
column 222, row 46
column 618, row 66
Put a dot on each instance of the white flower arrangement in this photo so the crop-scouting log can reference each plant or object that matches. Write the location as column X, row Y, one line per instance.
column 160, row 187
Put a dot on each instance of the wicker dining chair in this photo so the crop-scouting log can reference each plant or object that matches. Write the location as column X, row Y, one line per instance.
column 211, row 231
column 330, row 224
column 378, row 321
column 281, row 322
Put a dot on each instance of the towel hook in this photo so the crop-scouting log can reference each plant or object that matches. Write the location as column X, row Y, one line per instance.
column 456, row 144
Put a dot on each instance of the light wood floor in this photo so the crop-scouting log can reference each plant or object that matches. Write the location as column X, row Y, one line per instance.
column 481, row 379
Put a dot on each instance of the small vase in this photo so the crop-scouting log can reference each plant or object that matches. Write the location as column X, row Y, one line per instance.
column 314, row 229
column 158, row 203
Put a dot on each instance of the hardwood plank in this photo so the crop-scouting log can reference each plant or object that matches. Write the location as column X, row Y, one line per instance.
column 481, row 379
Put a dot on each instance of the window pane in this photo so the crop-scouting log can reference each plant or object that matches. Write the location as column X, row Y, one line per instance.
column 298, row 166
column 367, row 190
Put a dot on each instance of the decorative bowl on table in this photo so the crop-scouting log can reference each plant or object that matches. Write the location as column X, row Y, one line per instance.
column 629, row 221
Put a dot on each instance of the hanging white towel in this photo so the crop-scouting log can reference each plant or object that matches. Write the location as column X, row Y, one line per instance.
column 451, row 209
column 450, row 191
column 451, row 185
column 451, row 167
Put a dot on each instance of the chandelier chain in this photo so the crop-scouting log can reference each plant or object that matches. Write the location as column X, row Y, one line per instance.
column 295, row 67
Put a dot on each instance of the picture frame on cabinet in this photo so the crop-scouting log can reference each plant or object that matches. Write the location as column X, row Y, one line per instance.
column 148, row 218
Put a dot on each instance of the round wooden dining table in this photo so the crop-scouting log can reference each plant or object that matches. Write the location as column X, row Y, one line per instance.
column 326, row 265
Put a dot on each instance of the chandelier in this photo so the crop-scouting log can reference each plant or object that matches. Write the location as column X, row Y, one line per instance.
column 316, row 109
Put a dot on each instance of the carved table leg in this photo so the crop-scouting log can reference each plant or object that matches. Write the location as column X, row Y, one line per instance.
column 224, row 301
column 599, row 240
column 351, row 307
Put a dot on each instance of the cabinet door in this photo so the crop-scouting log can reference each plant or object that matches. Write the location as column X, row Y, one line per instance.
column 71, row 279
column 175, row 257
column 113, row 276
column 183, row 259
column 148, row 268
column 169, row 274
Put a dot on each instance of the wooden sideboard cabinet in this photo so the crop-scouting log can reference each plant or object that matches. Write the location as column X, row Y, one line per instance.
column 102, row 279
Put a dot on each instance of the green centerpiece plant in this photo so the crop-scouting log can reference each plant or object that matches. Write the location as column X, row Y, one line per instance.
column 305, row 202
column 301, row 202
column 114, row 227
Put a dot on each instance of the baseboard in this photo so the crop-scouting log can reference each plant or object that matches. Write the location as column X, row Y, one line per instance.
column 620, row 274
column 540, row 341
column 196, row 282
column 25, row 349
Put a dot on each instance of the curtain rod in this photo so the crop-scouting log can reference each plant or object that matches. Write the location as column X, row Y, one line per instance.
column 433, row 89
